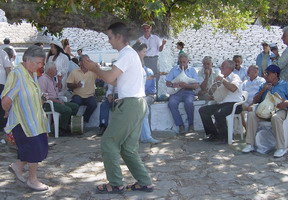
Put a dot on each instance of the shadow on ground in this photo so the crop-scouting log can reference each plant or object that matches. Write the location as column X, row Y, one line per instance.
column 181, row 168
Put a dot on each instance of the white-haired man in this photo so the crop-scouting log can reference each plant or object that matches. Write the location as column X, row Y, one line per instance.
column 49, row 86
column 233, row 84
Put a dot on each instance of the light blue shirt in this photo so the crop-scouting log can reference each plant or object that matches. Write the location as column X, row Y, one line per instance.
column 242, row 73
column 259, row 60
column 190, row 72
column 281, row 88
column 252, row 87
column 150, row 85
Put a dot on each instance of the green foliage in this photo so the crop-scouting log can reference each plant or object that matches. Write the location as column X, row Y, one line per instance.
column 228, row 15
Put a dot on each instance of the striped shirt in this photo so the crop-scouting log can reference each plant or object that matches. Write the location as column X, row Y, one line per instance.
column 26, row 109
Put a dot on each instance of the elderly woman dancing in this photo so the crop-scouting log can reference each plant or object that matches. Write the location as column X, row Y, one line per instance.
column 21, row 100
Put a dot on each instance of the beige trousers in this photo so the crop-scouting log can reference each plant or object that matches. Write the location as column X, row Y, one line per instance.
column 277, row 126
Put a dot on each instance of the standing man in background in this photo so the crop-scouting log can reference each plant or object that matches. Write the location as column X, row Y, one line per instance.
column 155, row 45
column 282, row 62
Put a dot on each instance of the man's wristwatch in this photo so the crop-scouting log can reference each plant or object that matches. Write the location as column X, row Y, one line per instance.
column 171, row 85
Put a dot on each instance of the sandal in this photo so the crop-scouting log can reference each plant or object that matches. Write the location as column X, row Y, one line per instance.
column 137, row 187
column 18, row 176
column 109, row 189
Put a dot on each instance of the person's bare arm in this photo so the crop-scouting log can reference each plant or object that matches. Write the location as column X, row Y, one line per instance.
column 204, row 84
column 6, row 103
column 227, row 84
column 162, row 45
column 257, row 97
column 107, row 76
column 73, row 86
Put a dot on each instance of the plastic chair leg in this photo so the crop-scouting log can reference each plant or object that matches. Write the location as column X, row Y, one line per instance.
column 56, row 124
column 230, row 124
column 240, row 126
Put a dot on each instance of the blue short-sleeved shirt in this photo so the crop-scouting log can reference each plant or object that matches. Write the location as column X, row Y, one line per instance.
column 150, row 85
column 281, row 88
column 190, row 72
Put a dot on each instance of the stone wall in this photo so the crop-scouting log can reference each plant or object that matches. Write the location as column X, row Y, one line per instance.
column 219, row 45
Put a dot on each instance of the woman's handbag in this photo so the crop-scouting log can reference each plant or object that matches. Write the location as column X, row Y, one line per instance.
column 268, row 107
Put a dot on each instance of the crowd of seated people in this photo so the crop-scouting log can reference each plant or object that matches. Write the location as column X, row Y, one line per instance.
column 232, row 76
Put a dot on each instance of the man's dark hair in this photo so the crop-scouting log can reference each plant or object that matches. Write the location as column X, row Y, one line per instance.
column 6, row 41
column 121, row 29
column 39, row 44
column 237, row 56
column 181, row 44
column 138, row 46
column 9, row 52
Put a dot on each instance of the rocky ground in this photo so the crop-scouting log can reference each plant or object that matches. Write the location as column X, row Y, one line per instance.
column 181, row 168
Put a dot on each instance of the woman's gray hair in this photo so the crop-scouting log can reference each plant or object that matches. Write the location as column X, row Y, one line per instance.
column 33, row 52
column 207, row 58
column 285, row 29
column 183, row 55
column 49, row 65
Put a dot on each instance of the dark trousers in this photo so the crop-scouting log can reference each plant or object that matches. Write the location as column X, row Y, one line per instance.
column 104, row 112
column 220, row 111
column 90, row 102
column 66, row 110
column 3, row 120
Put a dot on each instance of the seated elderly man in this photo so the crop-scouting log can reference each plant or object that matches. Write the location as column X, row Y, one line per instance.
column 82, row 82
column 208, row 74
column 251, row 85
column 220, row 110
column 272, row 84
column 50, row 89
column 185, row 93
column 239, row 70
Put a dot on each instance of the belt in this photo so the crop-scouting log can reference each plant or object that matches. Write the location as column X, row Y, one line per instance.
column 151, row 56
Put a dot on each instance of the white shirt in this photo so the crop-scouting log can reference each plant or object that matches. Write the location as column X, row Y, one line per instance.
column 130, row 83
column 4, row 63
column 3, row 46
column 153, row 43
column 252, row 87
column 61, row 62
column 62, row 66
column 211, row 78
column 242, row 73
column 237, row 95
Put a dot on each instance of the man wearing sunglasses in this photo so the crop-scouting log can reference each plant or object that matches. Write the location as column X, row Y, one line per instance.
column 272, row 84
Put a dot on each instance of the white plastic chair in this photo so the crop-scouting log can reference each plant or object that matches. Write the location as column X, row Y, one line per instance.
column 230, row 119
column 268, row 123
column 55, row 115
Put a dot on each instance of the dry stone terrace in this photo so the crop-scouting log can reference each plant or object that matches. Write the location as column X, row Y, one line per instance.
column 181, row 168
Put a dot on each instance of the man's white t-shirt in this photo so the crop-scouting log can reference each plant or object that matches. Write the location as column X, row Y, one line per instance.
column 153, row 43
column 130, row 83
column 4, row 63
